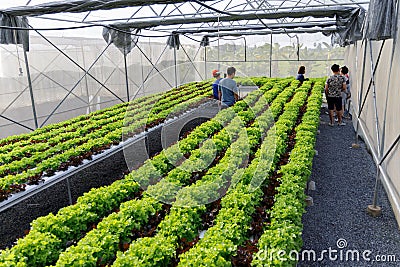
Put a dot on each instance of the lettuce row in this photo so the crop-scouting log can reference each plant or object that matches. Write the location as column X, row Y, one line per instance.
column 284, row 232
column 220, row 241
column 52, row 158
column 118, row 225
column 174, row 228
column 56, row 230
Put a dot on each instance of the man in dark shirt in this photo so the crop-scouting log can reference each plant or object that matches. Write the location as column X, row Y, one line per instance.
column 228, row 88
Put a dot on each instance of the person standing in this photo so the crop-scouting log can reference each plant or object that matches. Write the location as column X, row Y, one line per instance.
column 228, row 89
column 346, row 95
column 217, row 75
column 300, row 74
column 334, row 86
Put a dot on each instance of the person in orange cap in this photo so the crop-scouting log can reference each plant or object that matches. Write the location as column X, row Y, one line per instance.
column 217, row 75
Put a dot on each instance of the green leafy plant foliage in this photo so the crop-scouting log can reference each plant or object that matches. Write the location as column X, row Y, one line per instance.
column 248, row 140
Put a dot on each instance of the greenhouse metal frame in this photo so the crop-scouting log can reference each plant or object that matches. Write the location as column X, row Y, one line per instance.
column 366, row 40
column 225, row 20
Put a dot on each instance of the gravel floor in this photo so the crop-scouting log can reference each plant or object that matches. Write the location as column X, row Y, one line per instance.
column 338, row 221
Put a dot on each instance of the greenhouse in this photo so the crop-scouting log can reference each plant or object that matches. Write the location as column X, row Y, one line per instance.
column 118, row 147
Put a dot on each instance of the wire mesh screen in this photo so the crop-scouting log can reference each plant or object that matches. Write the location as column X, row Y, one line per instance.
column 281, row 59
column 71, row 76
column 74, row 76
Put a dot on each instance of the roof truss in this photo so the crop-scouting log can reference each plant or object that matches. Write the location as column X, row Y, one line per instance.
column 194, row 15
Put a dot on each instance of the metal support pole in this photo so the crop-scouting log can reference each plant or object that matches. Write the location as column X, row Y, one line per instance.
column 270, row 59
column 86, row 80
column 218, row 52
column 28, row 74
column 69, row 191
column 386, row 181
column 205, row 61
column 355, row 145
column 176, row 69
column 375, row 198
column 126, row 77
column 384, row 178
column 142, row 73
column 374, row 100
column 245, row 49
column 374, row 209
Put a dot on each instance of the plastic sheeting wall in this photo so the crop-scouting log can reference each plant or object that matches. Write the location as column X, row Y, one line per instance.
column 387, row 84
column 53, row 75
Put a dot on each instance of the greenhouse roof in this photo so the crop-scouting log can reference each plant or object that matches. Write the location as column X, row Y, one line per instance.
column 132, row 11
column 343, row 20
column 343, row 17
